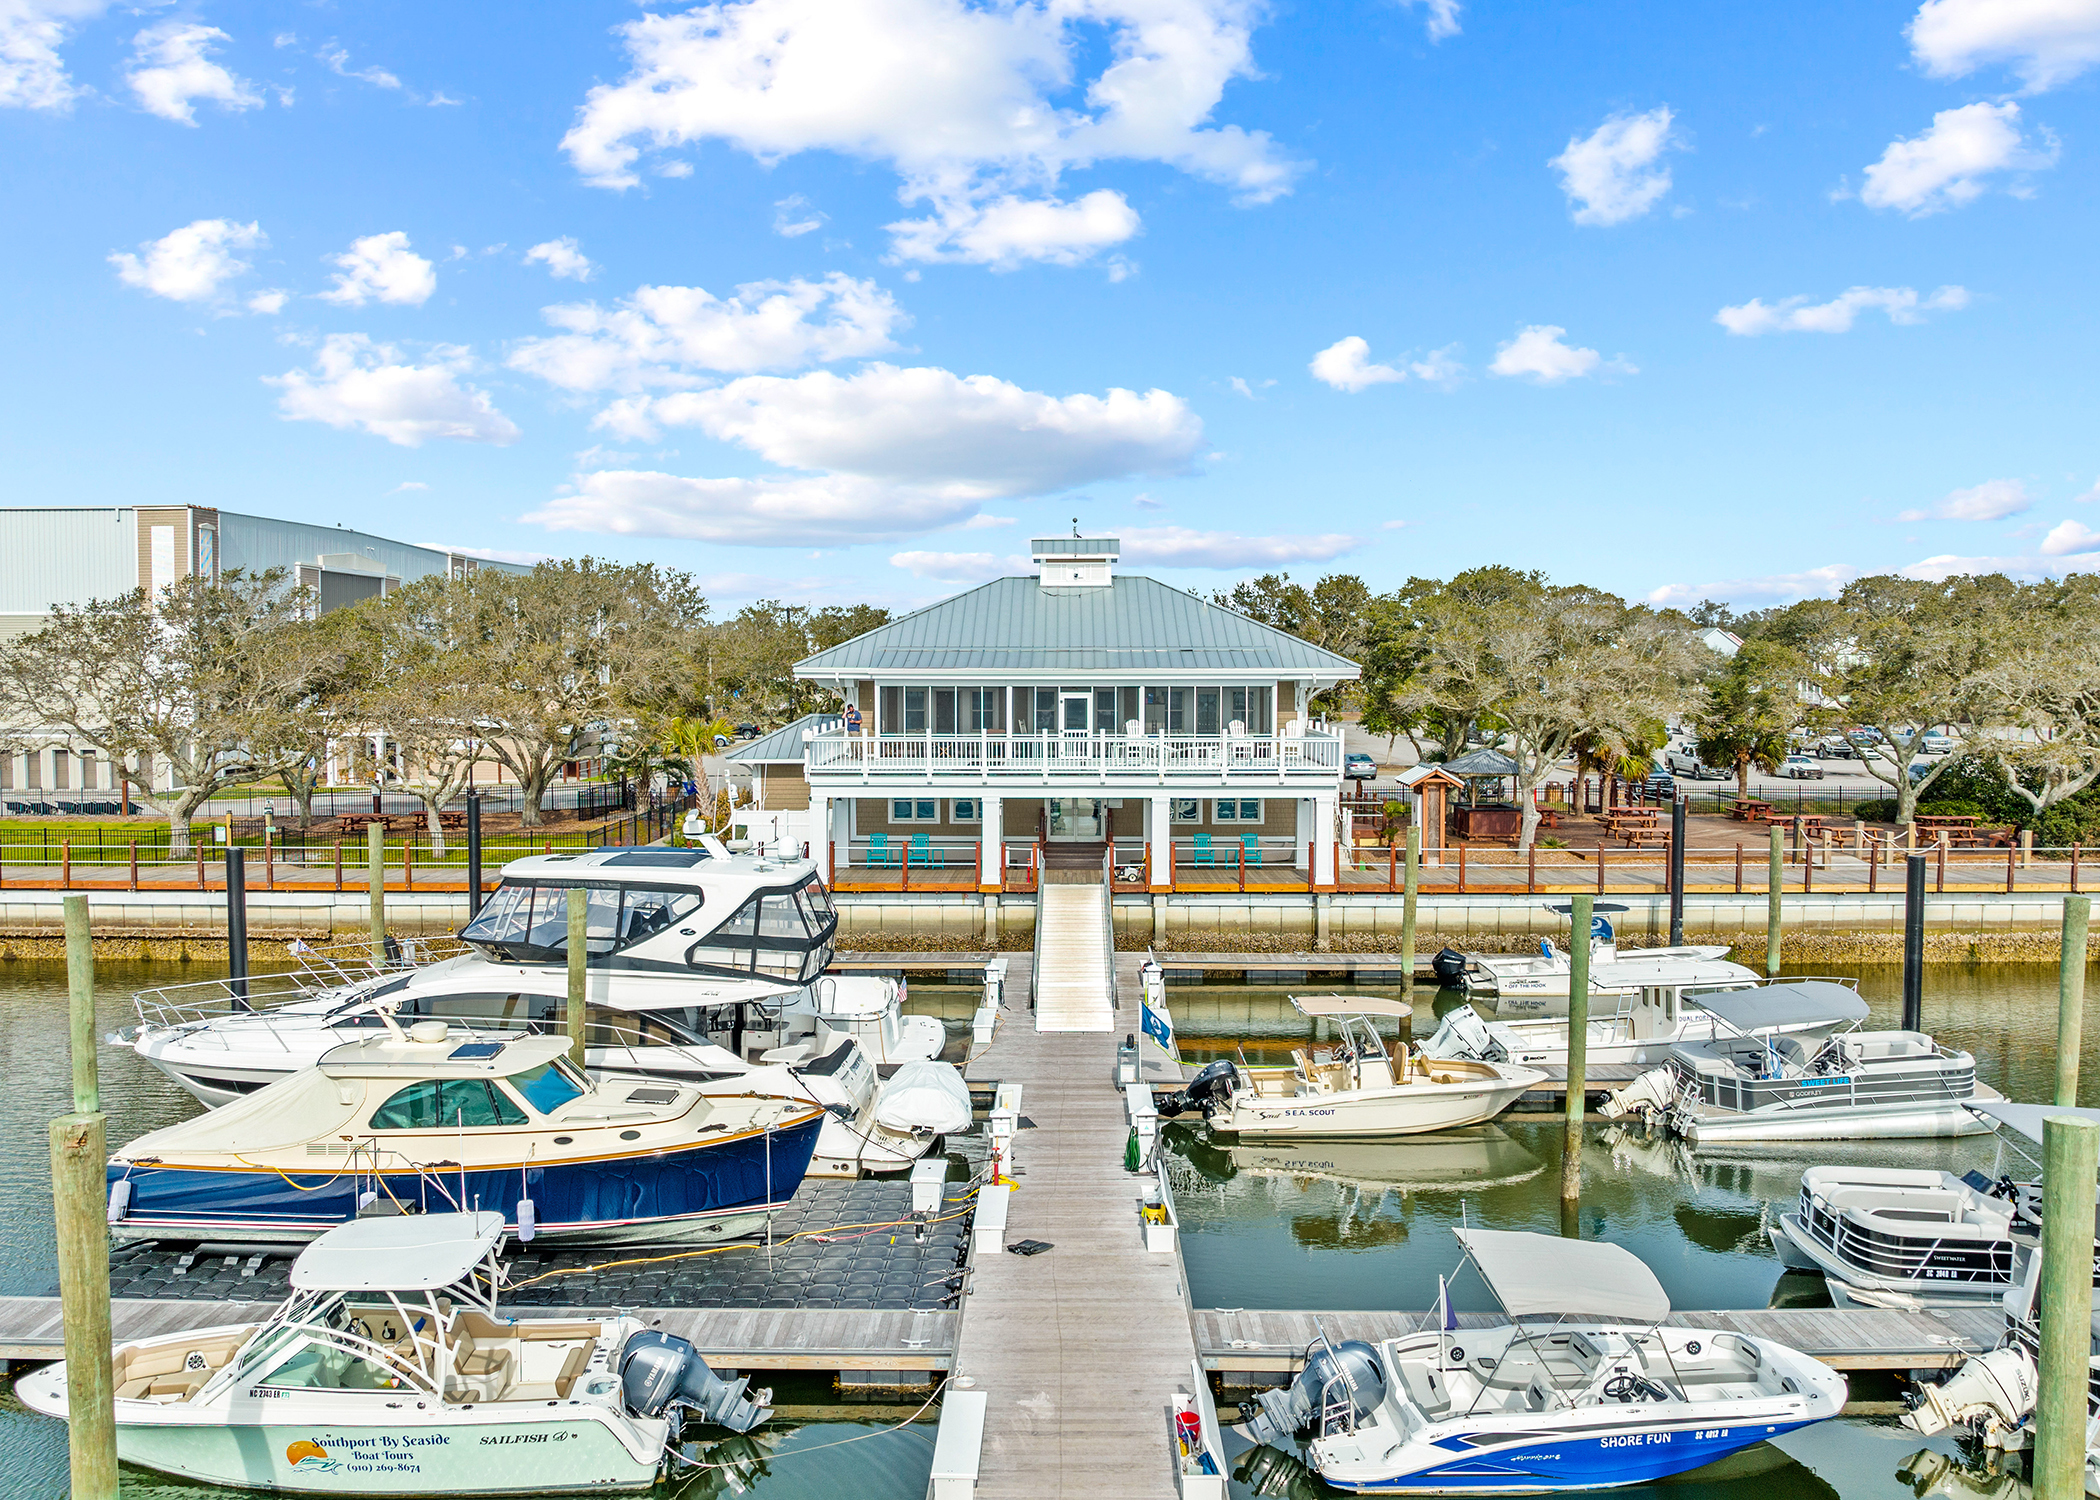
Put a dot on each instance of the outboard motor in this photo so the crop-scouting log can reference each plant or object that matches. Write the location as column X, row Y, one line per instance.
column 1345, row 1373
column 1208, row 1089
column 1450, row 967
column 661, row 1374
column 1464, row 1034
column 1993, row 1395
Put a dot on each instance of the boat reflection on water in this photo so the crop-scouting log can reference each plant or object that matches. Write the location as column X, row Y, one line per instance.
column 1480, row 1156
column 1975, row 1471
column 728, row 1467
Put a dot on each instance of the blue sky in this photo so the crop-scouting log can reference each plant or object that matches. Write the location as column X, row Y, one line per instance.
column 844, row 299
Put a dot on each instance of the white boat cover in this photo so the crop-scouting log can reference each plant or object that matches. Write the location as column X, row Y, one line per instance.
column 1351, row 1005
column 408, row 1253
column 1543, row 1274
column 1801, row 1002
column 925, row 1098
column 2027, row 1118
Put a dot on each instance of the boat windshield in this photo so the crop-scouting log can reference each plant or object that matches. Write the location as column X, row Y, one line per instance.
column 529, row 922
column 547, row 1087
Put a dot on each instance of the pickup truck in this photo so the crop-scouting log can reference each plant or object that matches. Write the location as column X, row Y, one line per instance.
column 1683, row 760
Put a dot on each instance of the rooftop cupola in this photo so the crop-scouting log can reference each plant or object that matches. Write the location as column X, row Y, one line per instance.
column 1076, row 562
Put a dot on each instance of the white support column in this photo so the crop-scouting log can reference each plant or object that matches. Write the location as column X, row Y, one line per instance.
column 991, row 844
column 820, row 834
column 1324, row 810
column 1302, row 834
column 1159, row 834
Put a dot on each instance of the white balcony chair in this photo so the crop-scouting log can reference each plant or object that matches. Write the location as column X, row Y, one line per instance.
column 1294, row 743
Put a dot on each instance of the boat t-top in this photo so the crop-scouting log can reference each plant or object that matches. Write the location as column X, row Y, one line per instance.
column 1756, row 1081
column 1521, row 985
column 1354, row 1086
column 1586, row 1388
column 391, row 1370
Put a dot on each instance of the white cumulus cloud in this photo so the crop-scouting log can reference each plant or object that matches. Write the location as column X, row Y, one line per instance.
column 2070, row 536
column 171, row 69
column 358, row 384
column 563, row 258
column 1541, row 354
column 973, row 435
column 32, row 74
column 793, row 217
column 976, row 107
column 1009, row 231
column 1180, row 547
column 1611, row 175
column 957, row 567
column 1346, row 365
column 1993, row 500
column 2047, row 42
column 190, row 264
column 1782, row 587
column 663, row 335
column 1800, row 315
column 1950, row 163
column 381, row 267
column 785, row 511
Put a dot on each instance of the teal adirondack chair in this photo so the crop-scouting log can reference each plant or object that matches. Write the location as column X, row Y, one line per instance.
column 881, row 855
column 924, row 855
column 1250, row 849
column 1206, row 857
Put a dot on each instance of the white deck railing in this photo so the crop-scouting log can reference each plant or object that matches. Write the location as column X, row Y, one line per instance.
column 1163, row 758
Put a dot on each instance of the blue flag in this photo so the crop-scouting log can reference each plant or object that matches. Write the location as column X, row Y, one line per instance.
column 1158, row 1025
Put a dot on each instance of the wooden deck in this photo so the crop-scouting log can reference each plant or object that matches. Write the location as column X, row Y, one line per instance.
column 1275, row 1342
column 1078, row 1348
column 731, row 1338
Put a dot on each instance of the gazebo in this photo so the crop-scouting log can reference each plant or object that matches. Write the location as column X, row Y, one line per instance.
column 1429, row 789
column 1474, row 819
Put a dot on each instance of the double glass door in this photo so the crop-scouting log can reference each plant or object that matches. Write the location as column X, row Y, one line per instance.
column 1077, row 818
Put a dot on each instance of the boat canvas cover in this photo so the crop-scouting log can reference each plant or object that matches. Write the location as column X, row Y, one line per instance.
column 2027, row 1118
column 925, row 1097
column 1805, row 1002
column 1352, row 1005
column 1544, row 1275
column 412, row 1253
column 306, row 1106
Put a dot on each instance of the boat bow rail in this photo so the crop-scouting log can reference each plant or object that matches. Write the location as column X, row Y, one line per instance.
column 322, row 972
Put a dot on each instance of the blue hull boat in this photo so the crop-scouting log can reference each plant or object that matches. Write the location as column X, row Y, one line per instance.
column 427, row 1123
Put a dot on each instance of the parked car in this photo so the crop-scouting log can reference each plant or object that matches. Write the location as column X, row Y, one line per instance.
column 1920, row 769
column 1836, row 747
column 1660, row 786
column 747, row 731
column 1936, row 744
column 1358, row 766
column 1864, row 736
column 1801, row 768
column 1684, row 760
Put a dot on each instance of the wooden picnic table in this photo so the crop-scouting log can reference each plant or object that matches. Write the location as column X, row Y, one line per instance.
column 1749, row 810
column 1947, row 820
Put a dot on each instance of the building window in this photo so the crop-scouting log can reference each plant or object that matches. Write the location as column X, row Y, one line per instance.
column 965, row 810
column 915, row 810
column 1188, row 809
column 1237, row 810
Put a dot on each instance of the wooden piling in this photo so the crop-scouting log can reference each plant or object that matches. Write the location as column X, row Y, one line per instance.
column 375, row 886
column 1775, row 895
column 579, row 955
column 1412, row 889
column 2070, row 1158
column 2070, row 998
column 1580, row 909
column 79, row 1154
column 80, row 990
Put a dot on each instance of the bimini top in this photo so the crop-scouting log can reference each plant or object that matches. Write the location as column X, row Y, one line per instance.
column 1351, row 1005
column 1803, row 1002
column 412, row 1253
column 1543, row 1274
column 2026, row 1118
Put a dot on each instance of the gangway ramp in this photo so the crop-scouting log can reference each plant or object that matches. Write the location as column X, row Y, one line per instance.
column 1074, row 958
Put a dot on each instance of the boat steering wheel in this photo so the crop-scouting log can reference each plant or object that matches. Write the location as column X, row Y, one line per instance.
column 1630, row 1388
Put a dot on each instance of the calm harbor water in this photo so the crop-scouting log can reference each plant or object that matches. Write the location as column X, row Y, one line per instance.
column 1333, row 1227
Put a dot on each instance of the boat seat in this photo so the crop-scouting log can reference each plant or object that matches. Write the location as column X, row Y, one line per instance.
column 579, row 1358
column 481, row 1373
column 1429, row 1394
column 176, row 1385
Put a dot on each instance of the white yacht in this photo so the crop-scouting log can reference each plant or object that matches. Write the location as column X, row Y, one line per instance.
column 392, row 1371
column 1597, row 1391
column 1355, row 1087
column 699, row 962
column 1636, row 1033
column 1751, row 1083
column 1522, row 985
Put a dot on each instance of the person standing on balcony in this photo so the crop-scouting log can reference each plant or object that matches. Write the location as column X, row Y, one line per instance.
column 853, row 718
